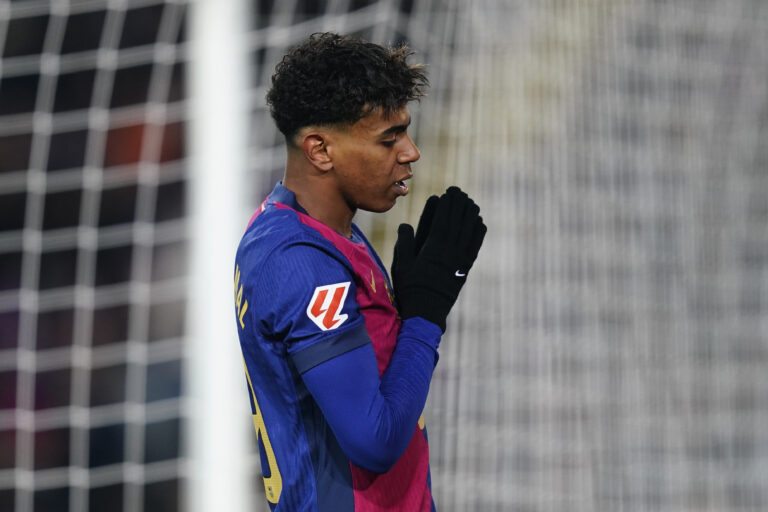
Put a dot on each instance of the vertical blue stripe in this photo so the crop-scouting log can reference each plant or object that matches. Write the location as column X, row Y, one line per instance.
column 333, row 478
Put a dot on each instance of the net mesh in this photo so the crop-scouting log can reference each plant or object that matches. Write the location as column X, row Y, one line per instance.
column 608, row 352
column 92, row 254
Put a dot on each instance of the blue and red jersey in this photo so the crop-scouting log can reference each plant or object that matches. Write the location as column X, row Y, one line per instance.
column 336, row 381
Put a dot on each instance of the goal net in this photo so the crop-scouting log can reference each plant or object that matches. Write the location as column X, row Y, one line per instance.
column 609, row 351
column 92, row 255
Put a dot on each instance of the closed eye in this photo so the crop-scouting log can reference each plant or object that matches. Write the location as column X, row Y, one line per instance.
column 395, row 136
column 394, row 132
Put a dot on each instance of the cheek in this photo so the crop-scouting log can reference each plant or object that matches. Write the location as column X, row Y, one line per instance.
column 381, row 167
column 368, row 171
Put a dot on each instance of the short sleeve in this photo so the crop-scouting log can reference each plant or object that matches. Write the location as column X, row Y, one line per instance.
column 304, row 295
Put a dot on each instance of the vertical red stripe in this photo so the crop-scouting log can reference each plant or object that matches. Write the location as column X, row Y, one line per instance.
column 403, row 488
column 317, row 307
column 328, row 319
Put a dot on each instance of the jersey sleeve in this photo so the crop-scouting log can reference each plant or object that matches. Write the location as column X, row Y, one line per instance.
column 304, row 295
column 373, row 417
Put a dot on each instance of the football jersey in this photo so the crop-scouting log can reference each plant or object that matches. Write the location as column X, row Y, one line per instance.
column 305, row 294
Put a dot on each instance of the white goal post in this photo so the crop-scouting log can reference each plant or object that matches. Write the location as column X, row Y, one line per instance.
column 218, row 441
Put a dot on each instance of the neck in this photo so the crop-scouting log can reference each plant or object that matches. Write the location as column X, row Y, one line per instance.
column 320, row 200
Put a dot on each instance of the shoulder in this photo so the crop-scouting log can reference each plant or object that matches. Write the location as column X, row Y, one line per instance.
column 283, row 263
column 277, row 238
column 300, row 286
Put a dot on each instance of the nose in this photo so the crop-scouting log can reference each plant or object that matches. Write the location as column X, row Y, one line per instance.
column 409, row 153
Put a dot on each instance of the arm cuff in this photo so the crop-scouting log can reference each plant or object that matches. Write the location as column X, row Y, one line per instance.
column 350, row 339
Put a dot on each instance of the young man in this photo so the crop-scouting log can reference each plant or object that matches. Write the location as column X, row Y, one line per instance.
column 338, row 362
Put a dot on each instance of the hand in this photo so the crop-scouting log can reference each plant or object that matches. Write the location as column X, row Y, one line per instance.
column 425, row 223
column 429, row 269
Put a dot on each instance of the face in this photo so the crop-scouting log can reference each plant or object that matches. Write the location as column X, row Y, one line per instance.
column 372, row 160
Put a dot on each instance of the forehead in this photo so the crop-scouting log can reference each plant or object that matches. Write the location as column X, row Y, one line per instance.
column 379, row 120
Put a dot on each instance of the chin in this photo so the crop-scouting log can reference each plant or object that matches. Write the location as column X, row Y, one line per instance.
column 378, row 208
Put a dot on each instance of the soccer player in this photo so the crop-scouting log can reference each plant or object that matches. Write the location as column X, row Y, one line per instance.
column 338, row 360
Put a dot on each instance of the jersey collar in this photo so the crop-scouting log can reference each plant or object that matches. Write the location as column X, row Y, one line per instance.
column 280, row 194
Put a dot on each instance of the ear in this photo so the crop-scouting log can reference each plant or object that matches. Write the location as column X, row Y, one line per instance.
column 314, row 146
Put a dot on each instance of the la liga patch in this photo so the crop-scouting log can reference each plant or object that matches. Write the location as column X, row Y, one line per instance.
column 326, row 304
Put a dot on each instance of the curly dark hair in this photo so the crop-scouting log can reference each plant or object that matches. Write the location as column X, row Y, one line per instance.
column 335, row 79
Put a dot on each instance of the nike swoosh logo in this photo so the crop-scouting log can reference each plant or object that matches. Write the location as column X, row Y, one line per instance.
column 459, row 274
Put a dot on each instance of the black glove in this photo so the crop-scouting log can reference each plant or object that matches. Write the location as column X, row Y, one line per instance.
column 429, row 269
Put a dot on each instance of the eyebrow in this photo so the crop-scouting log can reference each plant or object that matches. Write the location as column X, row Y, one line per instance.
column 398, row 128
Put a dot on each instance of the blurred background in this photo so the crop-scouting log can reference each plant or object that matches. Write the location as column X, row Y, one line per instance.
column 609, row 352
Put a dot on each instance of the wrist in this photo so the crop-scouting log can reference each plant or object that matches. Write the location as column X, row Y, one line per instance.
column 427, row 305
column 428, row 330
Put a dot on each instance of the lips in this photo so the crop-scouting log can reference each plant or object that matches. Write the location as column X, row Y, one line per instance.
column 400, row 186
